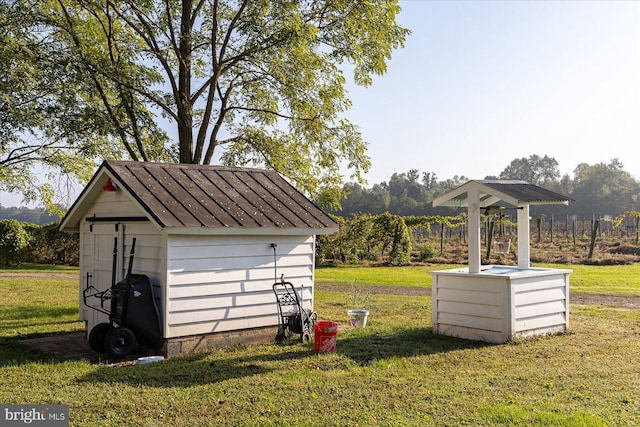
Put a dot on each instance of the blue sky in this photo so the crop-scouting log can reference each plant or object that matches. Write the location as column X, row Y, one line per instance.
column 479, row 84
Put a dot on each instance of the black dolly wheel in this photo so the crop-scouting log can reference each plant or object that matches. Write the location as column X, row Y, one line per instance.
column 98, row 337
column 120, row 342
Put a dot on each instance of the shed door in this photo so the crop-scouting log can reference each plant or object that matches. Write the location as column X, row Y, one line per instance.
column 105, row 246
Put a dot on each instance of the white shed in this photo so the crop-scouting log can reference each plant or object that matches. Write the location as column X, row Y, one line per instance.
column 208, row 237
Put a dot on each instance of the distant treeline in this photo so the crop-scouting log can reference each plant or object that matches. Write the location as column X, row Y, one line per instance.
column 603, row 189
column 600, row 190
column 38, row 216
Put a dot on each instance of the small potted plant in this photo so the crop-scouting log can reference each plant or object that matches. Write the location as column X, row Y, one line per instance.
column 359, row 298
column 358, row 318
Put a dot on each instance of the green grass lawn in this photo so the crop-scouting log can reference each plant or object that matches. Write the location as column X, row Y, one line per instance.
column 393, row 372
column 27, row 267
column 622, row 280
column 388, row 276
column 37, row 302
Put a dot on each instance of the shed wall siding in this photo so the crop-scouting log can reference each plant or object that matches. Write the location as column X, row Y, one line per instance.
column 97, row 252
column 112, row 203
column 148, row 251
column 223, row 283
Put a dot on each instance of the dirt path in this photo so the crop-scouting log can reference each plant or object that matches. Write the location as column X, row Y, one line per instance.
column 607, row 300
column 575, row 298
column 49, row 275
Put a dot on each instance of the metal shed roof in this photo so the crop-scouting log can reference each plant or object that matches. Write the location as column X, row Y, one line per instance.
column 186, row 196
column 514, row 192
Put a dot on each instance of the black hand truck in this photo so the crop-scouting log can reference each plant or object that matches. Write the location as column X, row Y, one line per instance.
column 133, row 315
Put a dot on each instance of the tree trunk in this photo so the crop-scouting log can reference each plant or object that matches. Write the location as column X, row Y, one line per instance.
column 185, row 111
column 594, row 235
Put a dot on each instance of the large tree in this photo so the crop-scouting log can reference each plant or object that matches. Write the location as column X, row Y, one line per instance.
column 534, row 169
column 40, row 121
column 242, row 82
column 605, row 188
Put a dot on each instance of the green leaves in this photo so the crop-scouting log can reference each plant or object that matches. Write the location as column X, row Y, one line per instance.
column 53, row 117
column 534, row 169
column 250, row 82
column 13, row 241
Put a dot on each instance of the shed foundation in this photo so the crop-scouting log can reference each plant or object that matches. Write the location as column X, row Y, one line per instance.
column 181, row 346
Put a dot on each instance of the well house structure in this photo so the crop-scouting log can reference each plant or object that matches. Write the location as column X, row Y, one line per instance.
column 497, row 303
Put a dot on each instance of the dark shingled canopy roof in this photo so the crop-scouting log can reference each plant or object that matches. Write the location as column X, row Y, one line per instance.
column 512, row 191
column 525, row 192
column 185, row 195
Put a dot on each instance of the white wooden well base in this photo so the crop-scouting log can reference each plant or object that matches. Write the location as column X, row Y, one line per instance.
column 500, row 303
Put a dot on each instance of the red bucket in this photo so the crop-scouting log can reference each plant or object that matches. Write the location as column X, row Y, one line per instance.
column 325, row 336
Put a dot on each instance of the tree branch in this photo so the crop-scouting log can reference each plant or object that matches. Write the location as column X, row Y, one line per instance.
column 217, row 59
column 196, row 10
column 103, row 97
column 275, row 113
column 172, row 33
column 151, row 42
column 224, row 98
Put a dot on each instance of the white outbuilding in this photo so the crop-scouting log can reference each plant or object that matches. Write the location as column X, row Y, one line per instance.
column 211, row 239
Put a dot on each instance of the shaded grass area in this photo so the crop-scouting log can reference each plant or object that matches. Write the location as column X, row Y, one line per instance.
column 393, row 372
